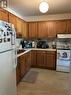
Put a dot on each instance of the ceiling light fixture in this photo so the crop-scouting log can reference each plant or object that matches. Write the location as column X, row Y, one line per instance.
column 43, row 7
column 3, row 3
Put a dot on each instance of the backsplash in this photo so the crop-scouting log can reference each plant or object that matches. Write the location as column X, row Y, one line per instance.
column 18, row 41
column 50, row 41
column 64, row 43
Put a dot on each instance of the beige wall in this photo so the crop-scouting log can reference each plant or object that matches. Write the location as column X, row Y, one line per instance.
column 43, row 17
column 49, row 17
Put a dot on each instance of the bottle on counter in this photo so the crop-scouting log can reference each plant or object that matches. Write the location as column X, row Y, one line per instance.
column 54, row 45
column 33, row 44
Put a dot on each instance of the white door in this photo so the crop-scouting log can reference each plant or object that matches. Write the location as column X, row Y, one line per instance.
column 7, row 74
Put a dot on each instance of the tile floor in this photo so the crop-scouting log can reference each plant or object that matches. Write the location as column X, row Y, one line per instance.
column 48, row 82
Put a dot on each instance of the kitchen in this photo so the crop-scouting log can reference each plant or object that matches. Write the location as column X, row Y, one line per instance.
column 33, row 28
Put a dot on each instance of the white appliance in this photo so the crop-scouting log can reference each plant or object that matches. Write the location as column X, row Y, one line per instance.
column 64, row 36
column 8, row 60
column 63, row 60
column 63, row 52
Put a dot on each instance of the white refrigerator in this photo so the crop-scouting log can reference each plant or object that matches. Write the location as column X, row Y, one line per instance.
column 8, row 60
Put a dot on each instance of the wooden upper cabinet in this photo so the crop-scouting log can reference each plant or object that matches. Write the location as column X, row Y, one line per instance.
column 19, row 27
column 42, row 30
column 24, row 29
column 68, row 26
column 46, row 29
column 3, row 15
column 17, row 24
column 32, row 29
column 51, row 29
column 13, row 20
column 60, row 27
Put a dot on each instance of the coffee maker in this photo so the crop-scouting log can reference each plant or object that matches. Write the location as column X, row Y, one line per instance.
column 26, row 44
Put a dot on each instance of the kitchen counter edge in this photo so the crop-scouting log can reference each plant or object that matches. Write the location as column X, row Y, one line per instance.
column 27, row 50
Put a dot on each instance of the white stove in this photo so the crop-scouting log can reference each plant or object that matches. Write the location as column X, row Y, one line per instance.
column 63, row 53
column 63, row 60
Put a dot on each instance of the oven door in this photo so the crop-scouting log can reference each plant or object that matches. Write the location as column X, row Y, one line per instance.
column 63, row 60
column 63, row 55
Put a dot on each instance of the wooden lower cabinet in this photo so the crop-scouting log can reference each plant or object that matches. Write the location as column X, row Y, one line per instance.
column 28, row 61
column 41, row 58
column 18, row 71
column 33, row 58
column 23, row 66
column 51, row 60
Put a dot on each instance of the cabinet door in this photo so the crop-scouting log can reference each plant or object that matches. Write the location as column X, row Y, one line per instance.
column 13, row 20
column 32, row 30
column 51, row 60
column 41, row 58
column 60, row 27
column 18, row 71
column 17, row 24
column 28, row 61
column 3, row 15
column 51, row 29
column 22, row 65
column 69, row 26
column 19, row 27
column 24, row 29
column 33, row 58
column 42, row 30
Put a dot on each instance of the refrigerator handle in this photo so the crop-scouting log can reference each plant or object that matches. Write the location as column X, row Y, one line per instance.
column 12, row 38
column 15, row 59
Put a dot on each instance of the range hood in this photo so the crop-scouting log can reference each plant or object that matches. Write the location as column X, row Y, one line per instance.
column 63, row 35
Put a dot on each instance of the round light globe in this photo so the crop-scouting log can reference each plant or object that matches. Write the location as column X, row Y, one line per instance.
column 43, row 7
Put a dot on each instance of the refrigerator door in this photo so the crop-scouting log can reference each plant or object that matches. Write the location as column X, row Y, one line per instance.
column 5, row 46
column 14, row 58
column 7, row 74
column 7, row 36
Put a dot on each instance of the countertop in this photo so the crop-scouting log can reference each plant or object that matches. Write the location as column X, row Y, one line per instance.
column 29, row 49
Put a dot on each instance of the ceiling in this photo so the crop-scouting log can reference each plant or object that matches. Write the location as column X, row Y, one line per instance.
column 30, row 7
